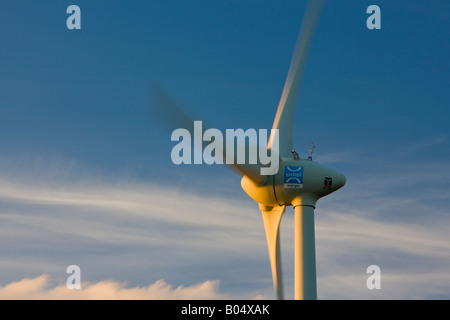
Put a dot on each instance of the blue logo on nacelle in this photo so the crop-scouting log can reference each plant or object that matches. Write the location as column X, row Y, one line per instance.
column 293, row 177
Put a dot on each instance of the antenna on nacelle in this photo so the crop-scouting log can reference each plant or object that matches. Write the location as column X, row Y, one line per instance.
column 311, row 150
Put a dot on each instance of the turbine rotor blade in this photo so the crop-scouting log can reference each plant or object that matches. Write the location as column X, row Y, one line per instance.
column 286, row 108
column 172, row 116
column 272, row 217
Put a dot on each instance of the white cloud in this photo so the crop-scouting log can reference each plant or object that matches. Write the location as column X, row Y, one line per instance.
column 41, row 288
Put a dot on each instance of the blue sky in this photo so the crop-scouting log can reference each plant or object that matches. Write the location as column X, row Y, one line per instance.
column 86, row 176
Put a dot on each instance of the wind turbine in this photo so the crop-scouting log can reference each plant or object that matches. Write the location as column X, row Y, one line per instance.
column 298, row 182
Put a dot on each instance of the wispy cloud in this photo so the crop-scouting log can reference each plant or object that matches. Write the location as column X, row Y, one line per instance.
column 413, row 257
column 392, row 213
column 134, row 232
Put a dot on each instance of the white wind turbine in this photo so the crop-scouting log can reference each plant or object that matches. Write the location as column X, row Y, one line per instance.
column 298, row 182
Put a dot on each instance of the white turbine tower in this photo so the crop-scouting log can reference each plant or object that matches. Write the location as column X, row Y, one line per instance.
column 298, row 182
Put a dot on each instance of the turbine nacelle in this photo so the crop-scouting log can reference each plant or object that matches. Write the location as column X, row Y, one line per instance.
column 297, row 182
